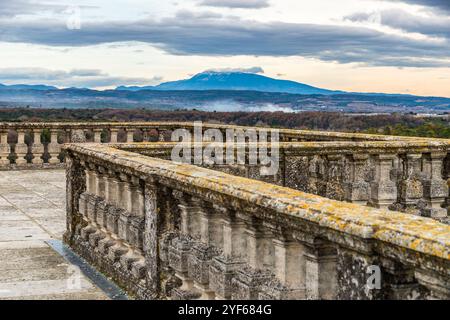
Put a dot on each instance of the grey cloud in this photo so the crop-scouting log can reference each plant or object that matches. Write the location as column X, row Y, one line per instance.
column 443, row 5
column 205, row 34
column 12, row 8
column 437, row 25
column 243, row 4
column 76, row 78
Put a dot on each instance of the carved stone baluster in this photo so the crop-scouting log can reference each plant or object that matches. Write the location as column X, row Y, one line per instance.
column 206, row 248
column 68, row 136
column 357, row 185
column 103, row 208
column 128, row 221
column 21, row 148
column 313, row 175
column 100, row 206
column 5, row 149
column 321, row 270
column 114, row 134
column 334, row 180
column 181, row 247
column 37, row 149
column 223, row 268
column 260, row 259
column 54, row 148
column 117, row 218
column 162, row 135
column 130, row 135
column 435, row 188
column 383, row 191
column 98, row 135
column 411, row 188
column 289, row 270
column 111, row 213
column 88, row 203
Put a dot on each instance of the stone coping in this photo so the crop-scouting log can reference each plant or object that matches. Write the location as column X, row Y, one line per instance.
column 293, row 133
column 327, row 147
column 402, row 230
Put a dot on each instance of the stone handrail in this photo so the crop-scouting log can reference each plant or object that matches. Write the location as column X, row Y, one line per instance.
column 167, row 230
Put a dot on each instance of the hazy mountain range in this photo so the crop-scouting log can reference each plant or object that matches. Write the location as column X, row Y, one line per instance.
column 220, row 91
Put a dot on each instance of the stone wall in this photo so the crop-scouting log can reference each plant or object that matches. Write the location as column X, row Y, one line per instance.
column 163, row 230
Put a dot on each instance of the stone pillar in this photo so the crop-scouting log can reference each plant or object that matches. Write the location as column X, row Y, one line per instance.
column 383, row 191
column 435, row 188
column 5, row 149
column 75, row 186
column 114, row 133
column 357, row 186
column 411, row 188
column 130, row 135
column 151, row 236
column 334, row 174
column 21, row 148
column 98, row 135
column 54, row 148
column 321, row 271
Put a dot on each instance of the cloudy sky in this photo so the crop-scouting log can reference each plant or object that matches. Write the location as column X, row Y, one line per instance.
column 400, row 46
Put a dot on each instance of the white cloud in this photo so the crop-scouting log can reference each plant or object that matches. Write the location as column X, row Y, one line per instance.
column 242, row 4
column 74, row 78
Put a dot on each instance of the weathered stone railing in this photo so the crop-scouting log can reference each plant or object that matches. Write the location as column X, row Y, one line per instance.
column 166, row 230
column 409, row 176
column 39, row 144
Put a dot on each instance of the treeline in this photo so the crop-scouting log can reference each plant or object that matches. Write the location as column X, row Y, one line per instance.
column 395, row 124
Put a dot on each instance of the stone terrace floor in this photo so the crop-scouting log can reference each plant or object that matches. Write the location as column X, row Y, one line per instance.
column 32, row 211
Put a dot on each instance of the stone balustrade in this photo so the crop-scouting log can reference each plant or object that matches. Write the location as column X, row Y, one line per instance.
column 164, row 230
column 403, row 176
column 22, row 144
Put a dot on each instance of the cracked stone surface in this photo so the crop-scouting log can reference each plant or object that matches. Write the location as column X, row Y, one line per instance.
column 32, row 210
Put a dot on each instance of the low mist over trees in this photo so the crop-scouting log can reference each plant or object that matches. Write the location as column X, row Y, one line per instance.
column 395, row 124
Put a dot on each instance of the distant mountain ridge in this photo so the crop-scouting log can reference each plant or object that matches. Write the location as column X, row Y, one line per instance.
column 240, row 81
column 27, row 87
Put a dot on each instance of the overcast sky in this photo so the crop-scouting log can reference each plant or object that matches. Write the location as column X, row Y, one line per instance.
column 400, row 46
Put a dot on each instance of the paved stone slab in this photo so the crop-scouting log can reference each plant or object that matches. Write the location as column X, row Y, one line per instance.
column 32, row 211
